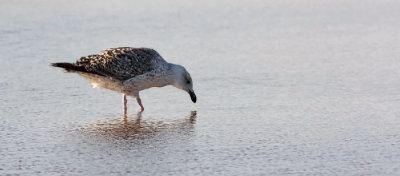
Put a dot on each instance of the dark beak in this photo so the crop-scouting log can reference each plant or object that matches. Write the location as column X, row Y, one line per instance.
column 192, row 96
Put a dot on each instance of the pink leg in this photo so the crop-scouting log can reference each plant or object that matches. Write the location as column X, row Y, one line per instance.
column 124, row 103
column 139, row 101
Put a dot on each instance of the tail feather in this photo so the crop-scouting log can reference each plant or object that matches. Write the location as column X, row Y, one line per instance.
column 70, row 67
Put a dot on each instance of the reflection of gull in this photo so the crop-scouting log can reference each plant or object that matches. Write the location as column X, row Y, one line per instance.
column 129, row 70
column 139, row 129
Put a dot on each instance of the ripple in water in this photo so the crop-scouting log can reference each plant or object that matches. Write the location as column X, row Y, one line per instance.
column 136, row 128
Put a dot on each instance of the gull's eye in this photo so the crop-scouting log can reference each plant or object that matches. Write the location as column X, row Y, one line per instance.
column 187, row 80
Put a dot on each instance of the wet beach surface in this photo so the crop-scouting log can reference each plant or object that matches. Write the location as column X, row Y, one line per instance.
column 284, row 88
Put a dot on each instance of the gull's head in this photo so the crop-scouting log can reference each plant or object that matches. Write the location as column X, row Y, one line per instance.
column 183, row 81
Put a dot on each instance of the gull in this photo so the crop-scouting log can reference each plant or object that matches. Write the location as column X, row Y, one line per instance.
column 128, row 70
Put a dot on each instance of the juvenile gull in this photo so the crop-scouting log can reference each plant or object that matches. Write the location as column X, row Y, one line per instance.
column 129, row 70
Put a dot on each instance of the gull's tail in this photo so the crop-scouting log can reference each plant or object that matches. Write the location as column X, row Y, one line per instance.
column 69, row 67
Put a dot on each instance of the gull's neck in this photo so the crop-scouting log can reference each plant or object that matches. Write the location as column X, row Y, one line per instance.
column 167, row 76
column 174, row 73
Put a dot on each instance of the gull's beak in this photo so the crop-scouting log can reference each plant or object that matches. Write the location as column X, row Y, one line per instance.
column 192, row 96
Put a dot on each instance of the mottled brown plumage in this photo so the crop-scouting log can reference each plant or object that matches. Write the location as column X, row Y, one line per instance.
column 129, row 70
column 122, row 63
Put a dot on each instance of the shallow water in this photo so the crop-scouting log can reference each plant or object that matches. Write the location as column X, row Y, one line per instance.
column 284, row 88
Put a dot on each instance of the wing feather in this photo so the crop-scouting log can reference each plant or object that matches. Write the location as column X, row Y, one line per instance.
column 122, row 63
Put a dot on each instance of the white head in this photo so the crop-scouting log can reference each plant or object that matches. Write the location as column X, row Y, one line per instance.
column 183, row 81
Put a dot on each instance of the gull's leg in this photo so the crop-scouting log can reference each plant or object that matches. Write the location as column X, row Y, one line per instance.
column 124, row 103
column 139, row 101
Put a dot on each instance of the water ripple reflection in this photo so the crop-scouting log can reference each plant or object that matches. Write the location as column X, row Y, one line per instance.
column 137, row 129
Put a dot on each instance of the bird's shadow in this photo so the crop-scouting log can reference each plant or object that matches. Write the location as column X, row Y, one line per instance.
column 137, row 128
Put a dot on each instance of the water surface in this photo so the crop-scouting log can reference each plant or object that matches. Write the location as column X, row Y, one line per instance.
column 284, row 88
